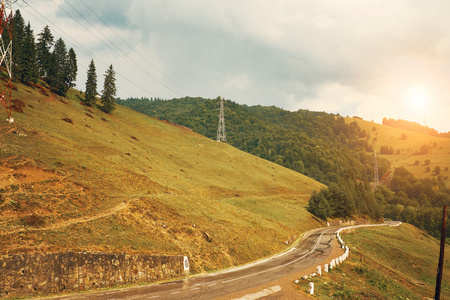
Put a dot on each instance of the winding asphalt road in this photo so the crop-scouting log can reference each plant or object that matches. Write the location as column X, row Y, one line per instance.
column 312, row 250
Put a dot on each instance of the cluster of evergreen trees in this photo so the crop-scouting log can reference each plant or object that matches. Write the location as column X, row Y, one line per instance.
column 319, row 145
column 44, row 58
column 109, row 88
column 50, row 61
column 345, row 199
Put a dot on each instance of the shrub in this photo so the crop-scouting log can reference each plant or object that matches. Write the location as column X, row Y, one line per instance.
column 437, row 170
column 386, row 150
column 33, row 220
column 68, row 120
column 424, row 149
column 44, row 92
column 17, row 105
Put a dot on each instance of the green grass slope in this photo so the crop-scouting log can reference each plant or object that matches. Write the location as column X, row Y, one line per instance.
column 386, row 263
column 74, row 178
column 407, row 152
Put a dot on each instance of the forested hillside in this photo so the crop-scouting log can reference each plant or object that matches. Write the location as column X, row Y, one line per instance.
column 319, row 145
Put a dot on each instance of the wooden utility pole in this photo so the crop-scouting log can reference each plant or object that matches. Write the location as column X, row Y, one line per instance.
column 437, row 294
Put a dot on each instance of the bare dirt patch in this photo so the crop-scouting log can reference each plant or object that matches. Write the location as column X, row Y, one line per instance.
column 16, row 176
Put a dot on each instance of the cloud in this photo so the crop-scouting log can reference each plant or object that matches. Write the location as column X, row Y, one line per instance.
column 347, row 57
column 239, row 82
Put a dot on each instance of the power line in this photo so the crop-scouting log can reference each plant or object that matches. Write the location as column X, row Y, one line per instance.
column 126, row 56
column 128, row 44
column 80, row 47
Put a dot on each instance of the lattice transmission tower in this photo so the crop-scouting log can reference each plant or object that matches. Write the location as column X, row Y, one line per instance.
column 6, row 54
column 221, row 135
column 375, row 169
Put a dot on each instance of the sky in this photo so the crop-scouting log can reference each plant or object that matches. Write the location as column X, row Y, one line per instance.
column 370, row 59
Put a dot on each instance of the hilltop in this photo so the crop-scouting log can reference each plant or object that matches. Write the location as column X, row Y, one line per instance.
column 419, row 153
column 75, row 178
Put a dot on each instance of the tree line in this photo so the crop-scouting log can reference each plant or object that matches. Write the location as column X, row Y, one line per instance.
column 41, row 58
column 414, row 126
column 405, row 198
column 49, row 60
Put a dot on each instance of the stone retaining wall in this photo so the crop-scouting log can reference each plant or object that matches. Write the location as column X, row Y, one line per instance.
column 33, row 274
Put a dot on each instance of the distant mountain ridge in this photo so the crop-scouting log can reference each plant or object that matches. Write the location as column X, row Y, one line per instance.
column 414, row 126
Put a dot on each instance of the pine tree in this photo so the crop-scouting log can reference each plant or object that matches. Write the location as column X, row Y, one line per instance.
column 109, row 90
column 319, row 206
column 58, row 76
column 43, row 47
column 18, row 34
column 91, row 85
column 29, row 68
column 72, row 67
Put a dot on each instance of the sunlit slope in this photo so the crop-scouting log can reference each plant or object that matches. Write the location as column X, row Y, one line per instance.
column 73, row 177
column 408, row 152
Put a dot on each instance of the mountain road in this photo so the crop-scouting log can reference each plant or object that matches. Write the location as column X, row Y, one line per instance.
column 256, row 280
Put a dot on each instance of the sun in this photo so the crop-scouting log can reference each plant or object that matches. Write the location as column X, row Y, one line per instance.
column 417, row 97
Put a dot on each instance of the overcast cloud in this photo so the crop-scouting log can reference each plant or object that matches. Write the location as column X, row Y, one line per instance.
column 372, row 59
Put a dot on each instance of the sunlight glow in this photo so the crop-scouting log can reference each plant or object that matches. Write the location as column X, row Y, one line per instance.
column 417, row 97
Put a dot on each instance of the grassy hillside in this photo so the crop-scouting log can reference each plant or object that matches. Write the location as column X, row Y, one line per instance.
column 317, row 144
column 73, row 177
column 386, row 263
column 408, row 151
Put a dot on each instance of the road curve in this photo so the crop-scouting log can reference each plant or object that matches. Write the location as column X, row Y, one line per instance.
column 314, row 248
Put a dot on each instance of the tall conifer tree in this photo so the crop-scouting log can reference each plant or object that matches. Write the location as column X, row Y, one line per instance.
column 91, row 85
column 72, row 67
column 29, row 68
column 109, row 91
column 18, row 36
column 43, row 50
column 58, row 76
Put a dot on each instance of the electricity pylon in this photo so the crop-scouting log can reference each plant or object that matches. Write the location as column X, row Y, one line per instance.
column 375, row 169
column 6, row 55
column 221, row 136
